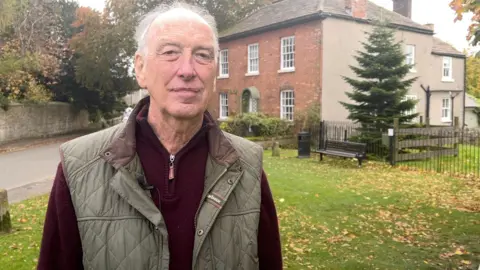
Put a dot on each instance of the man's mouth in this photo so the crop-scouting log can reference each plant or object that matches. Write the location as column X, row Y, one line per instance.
column 194, row 90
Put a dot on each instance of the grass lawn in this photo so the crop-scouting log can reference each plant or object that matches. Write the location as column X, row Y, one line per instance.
column 19, row 250
column 334, row 215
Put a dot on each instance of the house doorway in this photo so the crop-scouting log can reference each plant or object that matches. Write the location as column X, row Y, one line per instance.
column 250, row 97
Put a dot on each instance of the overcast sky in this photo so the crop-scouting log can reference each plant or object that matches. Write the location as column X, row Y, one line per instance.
column 424, row 11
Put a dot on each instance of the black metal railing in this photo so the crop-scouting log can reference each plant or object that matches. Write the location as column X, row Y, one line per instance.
column 349, row 131
column 447, row 150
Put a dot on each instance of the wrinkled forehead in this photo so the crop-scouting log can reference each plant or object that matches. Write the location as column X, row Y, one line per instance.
column 182, row 26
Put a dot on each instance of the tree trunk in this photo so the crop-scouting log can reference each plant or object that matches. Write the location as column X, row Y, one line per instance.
column 5, row 222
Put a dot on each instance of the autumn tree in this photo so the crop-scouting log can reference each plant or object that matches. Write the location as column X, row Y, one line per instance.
column 473, row 76
column 464, row 6
column 32, row 43
column 9, row 9
column 18, row 72
column 101, row 63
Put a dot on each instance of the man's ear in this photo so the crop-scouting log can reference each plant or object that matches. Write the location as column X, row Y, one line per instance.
column 140, row 69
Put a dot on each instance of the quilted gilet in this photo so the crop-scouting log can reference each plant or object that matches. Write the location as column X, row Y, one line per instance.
column 120, row 226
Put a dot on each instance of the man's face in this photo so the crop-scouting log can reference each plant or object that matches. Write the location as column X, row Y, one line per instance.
column 179, row 67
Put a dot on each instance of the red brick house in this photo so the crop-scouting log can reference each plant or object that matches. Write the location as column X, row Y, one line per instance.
column 292, row 53
column 255, row 78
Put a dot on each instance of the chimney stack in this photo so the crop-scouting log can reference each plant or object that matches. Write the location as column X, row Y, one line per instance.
column 356, row 8
column 431, row 26
column 403, row 7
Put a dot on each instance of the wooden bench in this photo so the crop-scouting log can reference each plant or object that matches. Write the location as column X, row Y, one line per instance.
column 344, row 149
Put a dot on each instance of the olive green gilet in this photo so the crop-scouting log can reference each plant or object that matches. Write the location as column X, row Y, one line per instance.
column 121, row 228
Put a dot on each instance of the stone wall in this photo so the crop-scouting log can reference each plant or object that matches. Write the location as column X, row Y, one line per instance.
column 23, row 121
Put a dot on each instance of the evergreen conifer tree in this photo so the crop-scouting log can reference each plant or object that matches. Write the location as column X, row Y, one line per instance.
column 380, row 88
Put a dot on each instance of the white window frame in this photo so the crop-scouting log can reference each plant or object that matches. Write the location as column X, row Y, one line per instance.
column 285, row 96
column 223, row 103
column 446, row 111
column 223, row 68
column 449, row 66
column 287, row 65
column 410, row 56
column 414, row 109
column 253, row 59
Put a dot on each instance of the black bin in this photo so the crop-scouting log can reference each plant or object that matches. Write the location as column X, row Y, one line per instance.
column 303, row 144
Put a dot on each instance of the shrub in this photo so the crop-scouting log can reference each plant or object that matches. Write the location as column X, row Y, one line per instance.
column 308, row 118
column 274, row 127
column 257, row 125
column 4, row 102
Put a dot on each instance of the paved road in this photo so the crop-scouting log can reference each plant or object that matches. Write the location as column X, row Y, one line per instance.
column 28, row 172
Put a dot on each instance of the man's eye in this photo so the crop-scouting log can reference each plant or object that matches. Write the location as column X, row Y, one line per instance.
column 204, row 56
column 171, row 52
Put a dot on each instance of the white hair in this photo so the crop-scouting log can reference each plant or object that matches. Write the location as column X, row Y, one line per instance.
column 174, row 10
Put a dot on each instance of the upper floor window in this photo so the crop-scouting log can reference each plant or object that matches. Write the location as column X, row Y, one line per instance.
column 446, row 110
column 253, row 59
column 223, row 105
column 287, row 103
column 410, row 56
column 288, row 54
column 447, row 69
column 223, row 65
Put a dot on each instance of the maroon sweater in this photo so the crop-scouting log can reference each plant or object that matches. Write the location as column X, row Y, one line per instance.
column 178, row 199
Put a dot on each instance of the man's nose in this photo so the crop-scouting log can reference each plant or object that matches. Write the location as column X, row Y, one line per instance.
column 187, row 70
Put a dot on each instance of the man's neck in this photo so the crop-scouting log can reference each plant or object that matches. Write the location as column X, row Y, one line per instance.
column 173, row 133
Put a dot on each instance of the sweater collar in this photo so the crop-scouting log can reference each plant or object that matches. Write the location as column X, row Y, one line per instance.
column 122, row 149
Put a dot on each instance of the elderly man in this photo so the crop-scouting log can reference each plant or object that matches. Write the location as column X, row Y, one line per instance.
column 167, row 189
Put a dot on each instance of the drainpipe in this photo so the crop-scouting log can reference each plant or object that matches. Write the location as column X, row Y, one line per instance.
column 452, row 103
column 428, row 94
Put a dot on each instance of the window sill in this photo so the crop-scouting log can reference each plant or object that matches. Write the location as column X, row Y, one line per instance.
column 446, row 121
column 252, row 74
column 448, row 80
column 286, row 70
column 222, row 119
column 223, row 77
column 413, row 70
